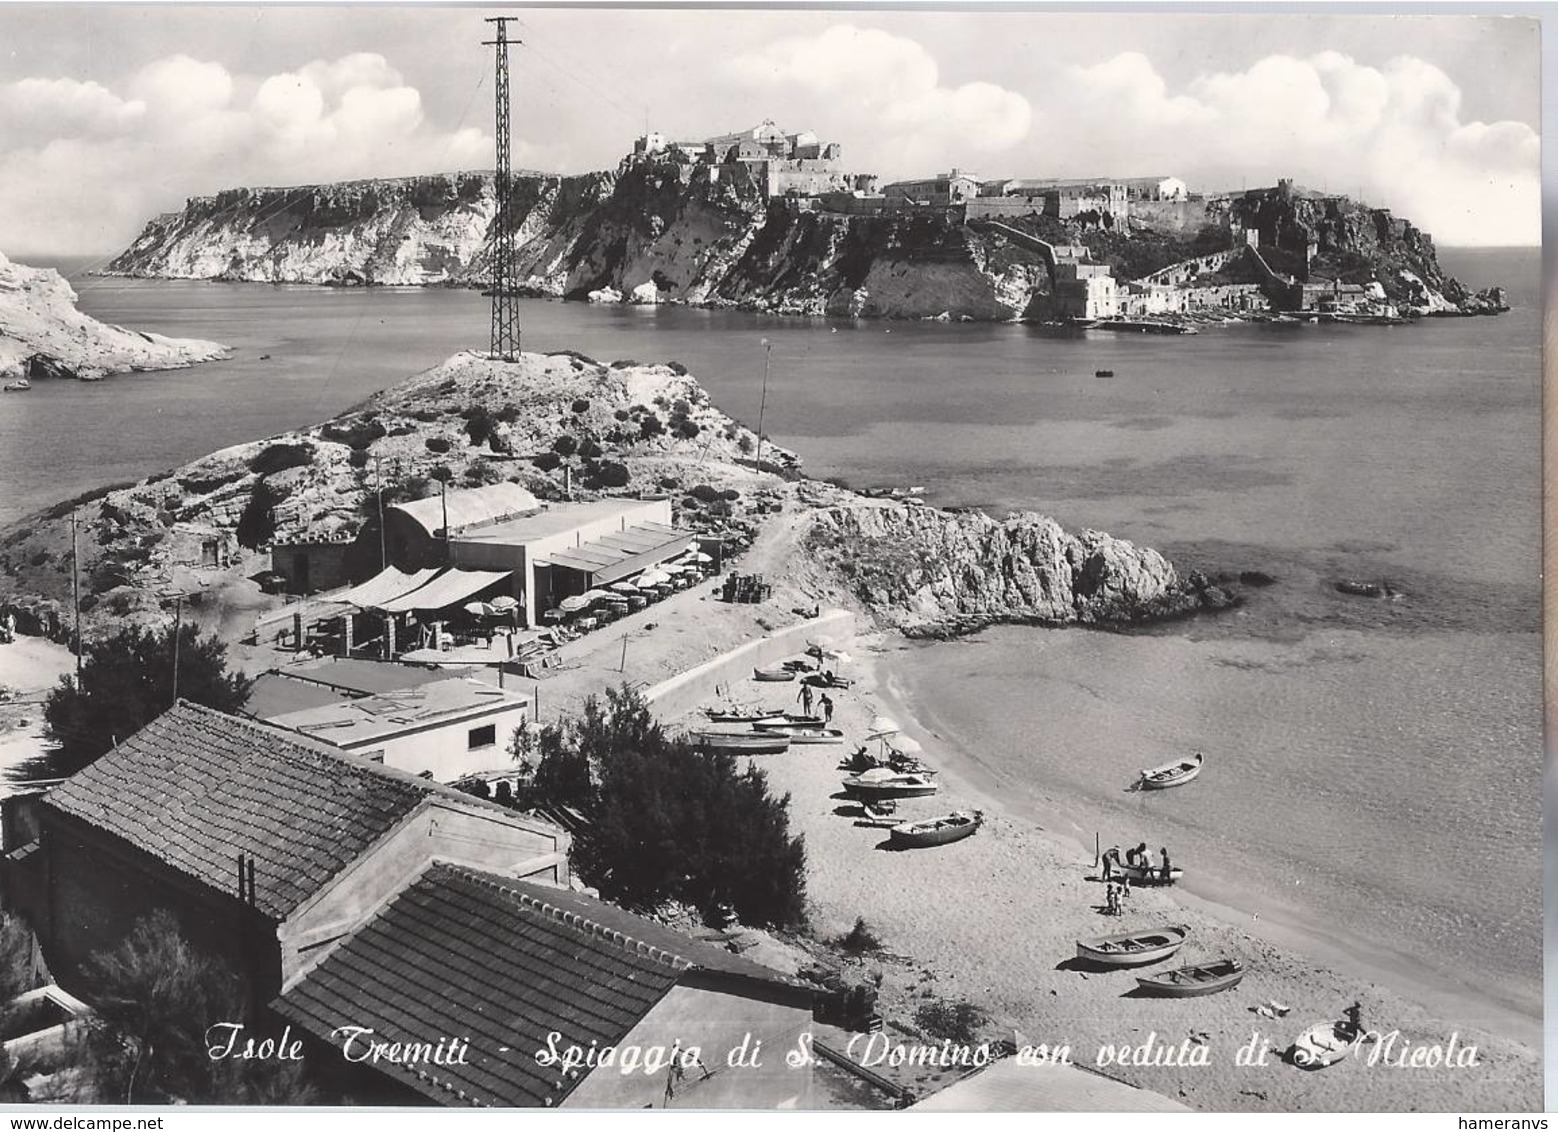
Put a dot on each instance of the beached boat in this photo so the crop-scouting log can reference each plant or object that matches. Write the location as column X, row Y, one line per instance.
column 20, row 385
column 735, row 715
column 1171, row 774
column 773, row 675
column 882, row 813
column 1324, row 1043
column 1145, row 874
column 1195, row 980
column 742, row 742
column 788, row 721
column 810, row 734
column 936, row 831
column 1133, row 949
column 880, row 782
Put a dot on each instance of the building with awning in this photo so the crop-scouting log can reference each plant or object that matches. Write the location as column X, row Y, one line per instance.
column 446, row 588
column 415, row 533
column 571, row 548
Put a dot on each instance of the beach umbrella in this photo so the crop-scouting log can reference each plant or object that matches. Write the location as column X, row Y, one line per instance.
column 881, row 725
column 477, row 609
column 653, row 577
column 596, row 595
column 504, row 604
column 699, row 556
column 624, row 587
column 573, row 604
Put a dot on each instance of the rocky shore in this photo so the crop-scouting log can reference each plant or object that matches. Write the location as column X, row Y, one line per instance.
column 567, row 426
column 43, row 335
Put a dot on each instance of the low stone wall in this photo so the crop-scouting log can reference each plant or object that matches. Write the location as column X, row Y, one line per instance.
column 686, row 691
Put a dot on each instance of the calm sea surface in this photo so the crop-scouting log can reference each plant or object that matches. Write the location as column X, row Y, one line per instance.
column 1374, row 767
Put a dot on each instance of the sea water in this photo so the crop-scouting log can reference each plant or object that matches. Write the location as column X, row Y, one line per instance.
column 1373, row 765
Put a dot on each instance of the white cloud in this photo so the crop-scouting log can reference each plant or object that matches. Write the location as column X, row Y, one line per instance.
column 887, row 90
column 82, row 166
column 1393, row 134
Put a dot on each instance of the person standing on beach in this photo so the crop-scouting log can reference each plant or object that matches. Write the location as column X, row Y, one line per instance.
column 805, row 698
column 1168, row 876
column 1111, row 861
column 827, row 708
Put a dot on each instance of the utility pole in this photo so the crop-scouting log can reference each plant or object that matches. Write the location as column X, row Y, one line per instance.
column 505, row 307
column 768, row 353
column 178, row 624
column 378, row 491
column 75, row 590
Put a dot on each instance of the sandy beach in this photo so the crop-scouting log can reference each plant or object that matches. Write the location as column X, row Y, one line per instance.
column 993, row 920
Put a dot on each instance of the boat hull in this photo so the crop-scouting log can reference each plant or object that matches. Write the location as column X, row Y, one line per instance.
column 1133, row 949
column 1146, row 874
column 1171, row 774
column 890, row 789
column 1321, row 1045
column 742, row 744
column 772, row 675
column 1193, row 981
column 937, row 831
column 806, row 735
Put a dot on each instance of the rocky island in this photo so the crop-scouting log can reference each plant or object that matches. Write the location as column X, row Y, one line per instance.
column 666, row 228
column 42, row 334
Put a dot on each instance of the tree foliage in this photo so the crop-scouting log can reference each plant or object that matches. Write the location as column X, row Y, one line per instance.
column 127, row 681
column 155, row 1000
column 668, row 821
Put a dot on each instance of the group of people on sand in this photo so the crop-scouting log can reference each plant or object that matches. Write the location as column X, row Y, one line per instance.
column 1118, row 881
column 825, row 703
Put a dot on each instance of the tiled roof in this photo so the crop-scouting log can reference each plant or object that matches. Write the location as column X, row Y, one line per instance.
column 195, row 788
column 503, row 963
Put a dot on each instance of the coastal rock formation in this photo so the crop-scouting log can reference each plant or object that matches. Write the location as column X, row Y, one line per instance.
column 562, row 425
column 929, row 571
column 661, row 231
column 43, row 335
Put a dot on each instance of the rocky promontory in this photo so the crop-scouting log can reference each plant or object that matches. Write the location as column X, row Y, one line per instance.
column 565, row 426
column 42, row 334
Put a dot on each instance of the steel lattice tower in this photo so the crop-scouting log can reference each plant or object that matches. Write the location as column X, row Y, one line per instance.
column 505, row 308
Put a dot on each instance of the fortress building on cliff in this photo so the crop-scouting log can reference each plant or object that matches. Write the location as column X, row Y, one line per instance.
column 785, row 165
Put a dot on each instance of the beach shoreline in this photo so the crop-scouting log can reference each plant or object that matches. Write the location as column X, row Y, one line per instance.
column 1347, row 952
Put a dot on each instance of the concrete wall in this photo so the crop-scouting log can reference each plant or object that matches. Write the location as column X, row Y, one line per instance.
column 982, row 207
column 311, row 567
column 1175, row 215
column 681, row 694
column 717, row 1022
column 441, row 830
column 444, row 749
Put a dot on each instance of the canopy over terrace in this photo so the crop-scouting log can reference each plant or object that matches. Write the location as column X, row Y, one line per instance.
column 385, row 586
column 449, row 587
column 620, row 554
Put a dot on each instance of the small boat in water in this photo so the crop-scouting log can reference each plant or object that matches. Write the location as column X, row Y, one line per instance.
column 1194, row 981
column 880, row 782
column 742, row 742
column 1133, row 949
column 1171, row 774
column 773, row 675
column 1103, row 373
column 936, row 831
column 1324, row 1043
column 20, row 385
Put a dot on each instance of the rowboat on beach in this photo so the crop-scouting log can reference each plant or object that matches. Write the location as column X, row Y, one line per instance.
column 1171, row 774
column 1324, row 1043
column 788, row 721
column 880, row 782
column 936, row 831
column 1133, row 949
column 1195, row 980
column 773, row 675
column 736, row 715
column 742, row 742
column 811, row 734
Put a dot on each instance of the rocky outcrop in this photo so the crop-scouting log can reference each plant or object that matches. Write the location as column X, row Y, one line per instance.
column 927, row 571
column 43, row 335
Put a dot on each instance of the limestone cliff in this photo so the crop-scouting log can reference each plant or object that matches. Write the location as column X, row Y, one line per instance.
column 42, row 334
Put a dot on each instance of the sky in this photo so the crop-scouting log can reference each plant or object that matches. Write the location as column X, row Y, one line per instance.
column 111, row 114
